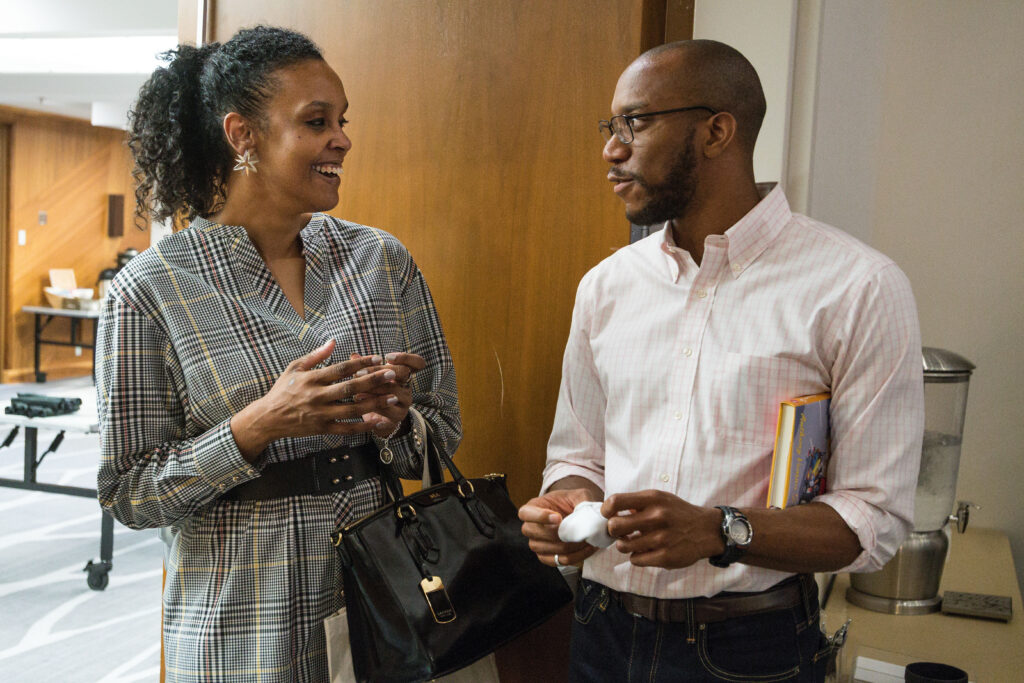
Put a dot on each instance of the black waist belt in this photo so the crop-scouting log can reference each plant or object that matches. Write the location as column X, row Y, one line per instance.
column 338, row 469
column 719, row 607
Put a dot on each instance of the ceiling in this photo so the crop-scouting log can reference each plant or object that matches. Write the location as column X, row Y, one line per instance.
column 82, row 58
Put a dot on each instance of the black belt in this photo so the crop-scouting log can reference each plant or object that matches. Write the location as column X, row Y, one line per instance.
column 338, row 469
column 787, row 594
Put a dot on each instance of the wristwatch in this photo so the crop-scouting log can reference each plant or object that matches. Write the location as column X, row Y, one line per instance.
column 737, row 534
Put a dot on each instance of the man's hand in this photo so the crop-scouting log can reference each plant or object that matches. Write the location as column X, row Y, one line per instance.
column 541, row 517
column 662, row 530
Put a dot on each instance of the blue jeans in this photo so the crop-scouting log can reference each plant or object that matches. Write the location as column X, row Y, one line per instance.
column 610, row 644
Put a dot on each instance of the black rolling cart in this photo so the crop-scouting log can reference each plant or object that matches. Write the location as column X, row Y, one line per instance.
column 84, row 421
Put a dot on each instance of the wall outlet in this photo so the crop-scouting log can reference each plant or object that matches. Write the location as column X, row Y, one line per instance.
column 22, row 238
column 42, row 218
column 78, row 350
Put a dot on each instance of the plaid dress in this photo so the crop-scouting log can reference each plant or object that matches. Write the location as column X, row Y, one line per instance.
column 195, row 329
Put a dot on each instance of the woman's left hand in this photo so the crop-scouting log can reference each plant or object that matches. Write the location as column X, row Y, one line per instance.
column 405, row 365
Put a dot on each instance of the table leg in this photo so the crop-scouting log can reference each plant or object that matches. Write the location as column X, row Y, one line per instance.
column 107, row 538
column 99, row 572
column 40, row 376
column 95, row 325
column 30, row 454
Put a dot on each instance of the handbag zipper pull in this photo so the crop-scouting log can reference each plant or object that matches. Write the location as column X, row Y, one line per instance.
column 437, row 598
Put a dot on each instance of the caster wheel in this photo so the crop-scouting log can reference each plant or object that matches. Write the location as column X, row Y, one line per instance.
column 98, row 575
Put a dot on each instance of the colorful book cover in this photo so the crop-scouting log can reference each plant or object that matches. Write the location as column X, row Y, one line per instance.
column 802, row 450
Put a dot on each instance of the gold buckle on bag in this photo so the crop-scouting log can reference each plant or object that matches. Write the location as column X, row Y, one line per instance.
column 464, row 494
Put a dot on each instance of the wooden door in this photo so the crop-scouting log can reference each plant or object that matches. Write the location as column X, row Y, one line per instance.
column 475, row 142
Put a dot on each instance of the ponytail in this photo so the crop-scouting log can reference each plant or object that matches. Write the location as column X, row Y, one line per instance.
column 182, row 159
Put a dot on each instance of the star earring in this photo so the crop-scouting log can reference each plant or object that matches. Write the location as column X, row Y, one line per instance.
column 246, row 161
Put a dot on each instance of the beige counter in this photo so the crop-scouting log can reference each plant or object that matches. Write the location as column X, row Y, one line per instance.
column 979, row 561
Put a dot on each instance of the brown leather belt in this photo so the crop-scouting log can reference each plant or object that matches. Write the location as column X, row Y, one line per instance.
column 789, row 593
column 338, row 469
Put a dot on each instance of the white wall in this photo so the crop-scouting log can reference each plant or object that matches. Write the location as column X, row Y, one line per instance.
column 906, row 129
column 847, row 113
column 762, row 31
column 918, row 149
column 88, row 17
column 949, row 208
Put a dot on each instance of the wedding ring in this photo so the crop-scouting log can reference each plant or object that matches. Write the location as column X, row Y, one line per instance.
column 558, row 563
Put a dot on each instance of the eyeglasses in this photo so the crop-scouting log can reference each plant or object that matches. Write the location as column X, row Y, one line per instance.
column 621, row 126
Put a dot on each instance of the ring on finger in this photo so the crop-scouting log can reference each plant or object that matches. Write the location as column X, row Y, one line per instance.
column 558, row 563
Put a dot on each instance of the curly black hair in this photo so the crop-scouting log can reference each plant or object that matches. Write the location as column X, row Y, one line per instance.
column 182, row 159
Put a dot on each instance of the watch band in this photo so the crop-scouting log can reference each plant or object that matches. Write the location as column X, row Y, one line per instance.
column 733, row 550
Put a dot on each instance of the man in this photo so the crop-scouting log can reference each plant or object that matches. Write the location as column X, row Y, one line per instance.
column 682, row 347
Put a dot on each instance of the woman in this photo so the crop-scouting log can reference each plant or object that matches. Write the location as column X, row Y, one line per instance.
column 254, row 365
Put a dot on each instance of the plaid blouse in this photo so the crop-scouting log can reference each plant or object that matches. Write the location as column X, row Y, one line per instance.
column 195, row 329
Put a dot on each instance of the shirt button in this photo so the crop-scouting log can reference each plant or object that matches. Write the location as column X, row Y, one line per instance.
column 664, row 477
column 250, row 471
column 687, row 352
column 220, row 486
column 678, row 415
column 701, row 293
column 234, row 478
column 736, row 267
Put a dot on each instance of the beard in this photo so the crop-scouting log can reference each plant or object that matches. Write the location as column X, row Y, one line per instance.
column 670, row 198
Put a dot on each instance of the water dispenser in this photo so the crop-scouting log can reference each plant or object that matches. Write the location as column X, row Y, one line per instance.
column 909, row 582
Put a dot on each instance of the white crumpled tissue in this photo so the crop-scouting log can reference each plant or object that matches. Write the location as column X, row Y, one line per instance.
column 586, row 523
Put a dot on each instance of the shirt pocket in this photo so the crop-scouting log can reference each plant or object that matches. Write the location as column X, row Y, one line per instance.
column 750, row 389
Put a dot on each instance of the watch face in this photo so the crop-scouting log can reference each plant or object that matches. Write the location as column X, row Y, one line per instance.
column 739, row 532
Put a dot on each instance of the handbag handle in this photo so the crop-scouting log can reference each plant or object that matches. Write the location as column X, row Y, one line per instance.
column 431, row 463
column 440, row 458
column 481, row 516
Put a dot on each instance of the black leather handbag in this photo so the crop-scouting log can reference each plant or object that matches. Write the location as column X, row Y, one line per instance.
column 440, row 578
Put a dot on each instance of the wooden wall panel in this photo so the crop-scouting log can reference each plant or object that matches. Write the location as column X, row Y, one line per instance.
column 475, row 138
column 678, row 20
column 5, row 160
column 66, row 168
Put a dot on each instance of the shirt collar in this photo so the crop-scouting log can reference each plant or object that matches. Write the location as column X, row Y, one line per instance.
column 310, row 236
column 752, row 234
column 745, row 240
column 678, row 260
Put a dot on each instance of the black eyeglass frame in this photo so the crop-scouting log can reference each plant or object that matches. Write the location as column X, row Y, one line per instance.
column 606, row 127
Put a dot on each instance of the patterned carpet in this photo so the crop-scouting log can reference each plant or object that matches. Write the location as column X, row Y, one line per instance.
column 53, row 627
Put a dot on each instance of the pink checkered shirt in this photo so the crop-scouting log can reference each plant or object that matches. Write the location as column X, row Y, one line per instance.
column 673, row 375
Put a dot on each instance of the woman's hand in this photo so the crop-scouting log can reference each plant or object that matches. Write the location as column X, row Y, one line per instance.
column 305, row 401
column 389, row 418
